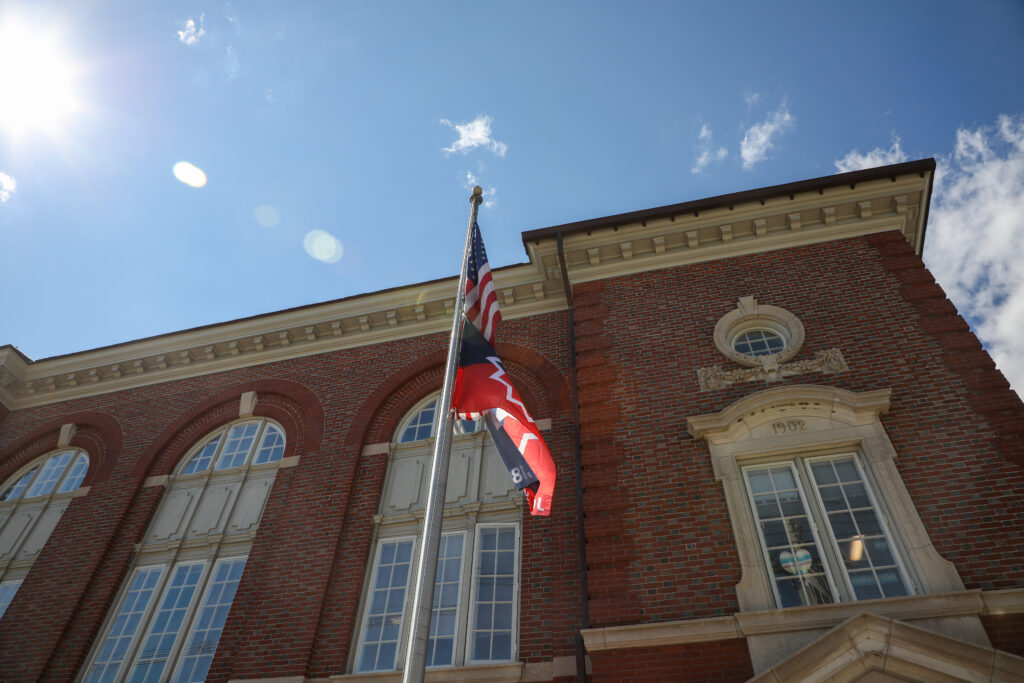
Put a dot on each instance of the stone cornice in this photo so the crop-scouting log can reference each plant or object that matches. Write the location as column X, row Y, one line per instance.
column 769, row 222
column 723, row 232
column 745, row 624
column 357, row 321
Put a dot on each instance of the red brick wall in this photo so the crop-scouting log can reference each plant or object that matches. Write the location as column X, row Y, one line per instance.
column 723, row 660
column 295, row 609
column 1006, row 631
column 659, row 543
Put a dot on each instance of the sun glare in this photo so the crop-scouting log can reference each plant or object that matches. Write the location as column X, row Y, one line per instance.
column 37, row 80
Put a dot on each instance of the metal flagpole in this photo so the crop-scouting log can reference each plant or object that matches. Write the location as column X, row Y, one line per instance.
column 423, row 598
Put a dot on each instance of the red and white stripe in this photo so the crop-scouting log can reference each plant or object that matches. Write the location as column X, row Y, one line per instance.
column 481, row 303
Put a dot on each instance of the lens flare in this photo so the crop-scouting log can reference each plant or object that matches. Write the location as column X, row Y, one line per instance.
column 323, row 246
column 266, row 216
column 190, row 174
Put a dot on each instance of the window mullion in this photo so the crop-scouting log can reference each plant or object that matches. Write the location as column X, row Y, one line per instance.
column 832, row 554
column 128, row 661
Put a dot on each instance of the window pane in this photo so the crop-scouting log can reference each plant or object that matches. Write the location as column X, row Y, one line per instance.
column 120, row 633
column 759, row 343
column 200, row 462
column 788, row 539
column 167, row 622
column 50, row 474
column 862, row 545
column 441, row 647
column 204, row 635
column 76, row 475
column 7, row 591
column 493, row 610
column 237, row 445
column 271, row 446
column 421, row 426
column 384, row 613
column 15, row 490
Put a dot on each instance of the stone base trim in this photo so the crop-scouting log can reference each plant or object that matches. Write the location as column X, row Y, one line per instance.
column 744, row 624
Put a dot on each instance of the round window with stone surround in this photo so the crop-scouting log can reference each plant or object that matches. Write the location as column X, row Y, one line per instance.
column 754, row 334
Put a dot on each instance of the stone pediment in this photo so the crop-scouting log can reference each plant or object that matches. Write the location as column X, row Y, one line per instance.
column 869, row 647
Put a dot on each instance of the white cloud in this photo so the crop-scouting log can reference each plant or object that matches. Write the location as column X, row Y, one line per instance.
column 758, row 138
column 855, row 161
column 490, row 193
column 752, row 98
column 7, row 187
column 706, row 151
column 231, row 62
column 975, row 243
column 193, row 32
column 476, row 133
column 706, row 157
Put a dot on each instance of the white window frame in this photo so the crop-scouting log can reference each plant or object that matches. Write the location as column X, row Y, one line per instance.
column 831, row 554
column 112, row 615
column 368, row 592
column 16, row 583
column 222, row 434
column 465, row 610
column 892, row 537
column 414, row 413
column 808, row 421
column 39, row 464
column 132, row 654
column 149, row 616
column 516, row 581
column 458, row 643
column 202, row 591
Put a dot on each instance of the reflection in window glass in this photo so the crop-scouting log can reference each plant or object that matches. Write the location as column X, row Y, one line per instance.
column 759, row 343
column 237, row 445
column 163, row 629
column 494, row 603
column 209, row 621
column 856, row 530
column 126, row 623
column 17, row 488
column 76, row 474
column 421, row 425
column 787, row 537
column 271, row 446
column 200, row 462
column 259, row 441
column 441, row 647
column 7, row 591
column 386, row 602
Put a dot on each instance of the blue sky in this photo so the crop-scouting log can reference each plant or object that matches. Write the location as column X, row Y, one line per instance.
column 368, row 121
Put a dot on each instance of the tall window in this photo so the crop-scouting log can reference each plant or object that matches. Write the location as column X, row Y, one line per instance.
column 827, row 546
column 172, row 610
column 475, row 612
column 31, row 504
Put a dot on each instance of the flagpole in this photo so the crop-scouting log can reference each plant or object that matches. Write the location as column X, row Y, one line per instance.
column 423, row 597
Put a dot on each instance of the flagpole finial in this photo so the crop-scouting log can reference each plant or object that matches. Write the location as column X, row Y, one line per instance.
column 478, row 195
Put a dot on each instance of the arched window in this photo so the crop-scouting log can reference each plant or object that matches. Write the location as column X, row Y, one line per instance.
column 171, row 612
column 419, row 423
column 476, row 588
column 31, row 504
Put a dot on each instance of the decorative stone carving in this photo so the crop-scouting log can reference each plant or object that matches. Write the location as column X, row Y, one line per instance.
column 826, row 361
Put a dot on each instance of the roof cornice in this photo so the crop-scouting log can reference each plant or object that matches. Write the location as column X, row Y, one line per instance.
column 795, row 214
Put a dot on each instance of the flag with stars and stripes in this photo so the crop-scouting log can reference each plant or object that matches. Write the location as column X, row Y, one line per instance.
column 481, row 302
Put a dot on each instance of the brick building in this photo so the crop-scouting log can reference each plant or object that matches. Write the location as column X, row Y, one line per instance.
column 793, row 461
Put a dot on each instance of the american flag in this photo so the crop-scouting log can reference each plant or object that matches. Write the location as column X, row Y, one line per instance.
column 481, row 302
